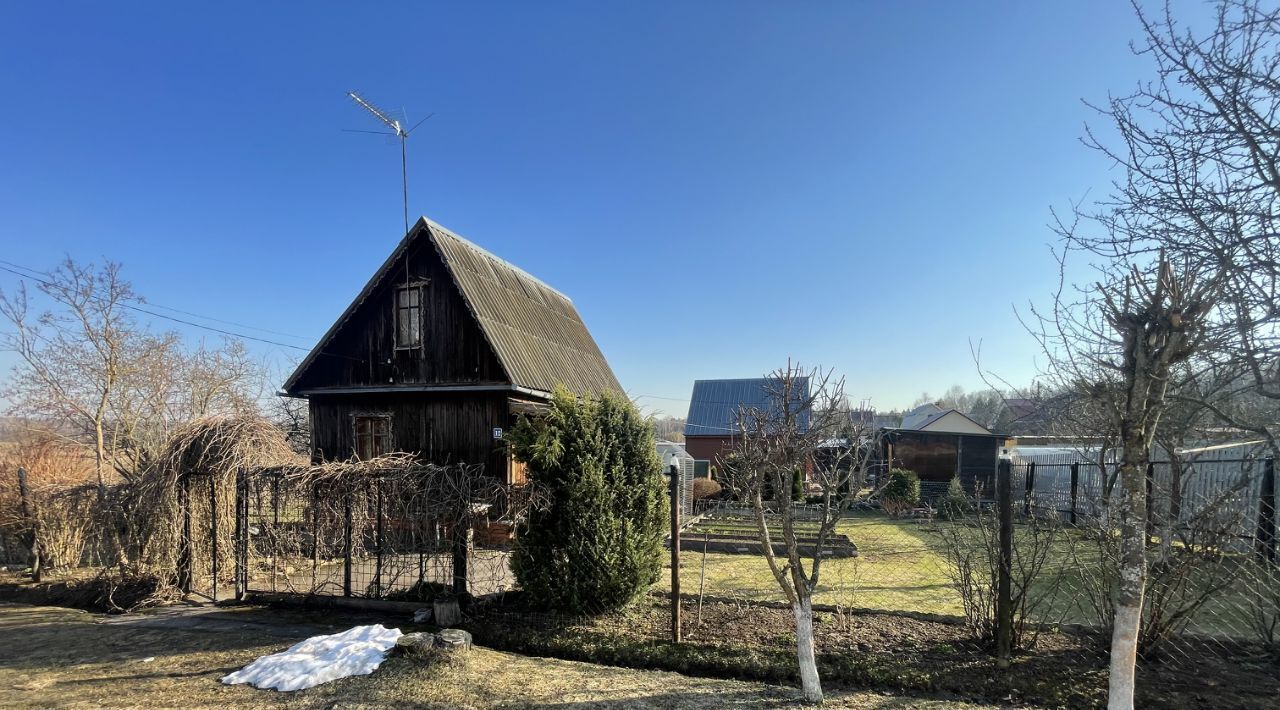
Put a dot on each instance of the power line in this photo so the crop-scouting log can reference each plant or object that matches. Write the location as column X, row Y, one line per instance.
column 201, row 326
column 46, row 274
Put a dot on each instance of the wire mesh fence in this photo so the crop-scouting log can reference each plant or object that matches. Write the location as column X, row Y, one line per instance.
column 402, row 534
column 909, row 600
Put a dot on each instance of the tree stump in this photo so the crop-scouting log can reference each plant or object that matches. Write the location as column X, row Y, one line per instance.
column 446, row 612
column 453, row 641
column 416, row 644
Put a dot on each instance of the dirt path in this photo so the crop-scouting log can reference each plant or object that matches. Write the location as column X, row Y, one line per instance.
column 53, row 657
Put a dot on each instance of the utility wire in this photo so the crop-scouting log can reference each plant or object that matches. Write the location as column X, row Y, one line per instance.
column 193, row 324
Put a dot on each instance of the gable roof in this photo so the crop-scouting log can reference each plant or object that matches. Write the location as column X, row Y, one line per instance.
column 929, row 417
column 922, row 416
column 714, row 404
column 534, row 330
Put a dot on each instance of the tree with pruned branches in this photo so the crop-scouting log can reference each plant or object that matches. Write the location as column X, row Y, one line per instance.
column 806, row 427
column 1118, row 345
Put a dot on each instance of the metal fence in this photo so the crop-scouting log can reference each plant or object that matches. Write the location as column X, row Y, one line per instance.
column 380, row 537
column 916, row 598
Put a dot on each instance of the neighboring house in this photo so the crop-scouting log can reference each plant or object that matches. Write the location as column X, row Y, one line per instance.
column 940, row 444
column 439, row 353
column 711, row 427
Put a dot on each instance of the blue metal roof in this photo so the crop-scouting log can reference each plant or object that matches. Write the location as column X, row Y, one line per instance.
column 714, row 405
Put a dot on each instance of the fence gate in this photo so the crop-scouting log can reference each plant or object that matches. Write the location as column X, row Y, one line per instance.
column 213, row 543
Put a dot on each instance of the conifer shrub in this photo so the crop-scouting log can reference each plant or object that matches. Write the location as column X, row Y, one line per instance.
column 901, row 493
column 595, row 543
column 954, row 504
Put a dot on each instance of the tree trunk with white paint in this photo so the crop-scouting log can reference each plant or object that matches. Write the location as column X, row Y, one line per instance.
column 1129, row 589
column 810, row 684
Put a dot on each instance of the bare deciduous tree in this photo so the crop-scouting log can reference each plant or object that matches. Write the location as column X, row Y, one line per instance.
column 805, row 428
column 89, row 371
column 1120, row 345
column 1199, row 147
column 73, row 358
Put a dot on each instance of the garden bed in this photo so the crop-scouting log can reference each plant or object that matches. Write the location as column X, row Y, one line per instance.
column 735, row 537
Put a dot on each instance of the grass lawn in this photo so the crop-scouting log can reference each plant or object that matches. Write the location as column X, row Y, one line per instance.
column 54, row 657
column 900, row 567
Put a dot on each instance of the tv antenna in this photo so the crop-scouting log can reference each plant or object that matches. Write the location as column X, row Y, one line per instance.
column 397, row 130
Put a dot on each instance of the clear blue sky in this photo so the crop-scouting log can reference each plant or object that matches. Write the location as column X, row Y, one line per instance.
column 718, row 185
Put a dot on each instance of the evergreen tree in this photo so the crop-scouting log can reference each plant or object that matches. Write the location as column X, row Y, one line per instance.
column 597, row 542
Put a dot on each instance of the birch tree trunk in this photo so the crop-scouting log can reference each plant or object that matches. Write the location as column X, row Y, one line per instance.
column 810, row 684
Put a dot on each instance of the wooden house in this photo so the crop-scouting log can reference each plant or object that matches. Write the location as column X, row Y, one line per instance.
column 711, row 426
column 439, row 353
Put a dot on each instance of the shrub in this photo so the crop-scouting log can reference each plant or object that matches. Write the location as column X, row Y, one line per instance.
column 705, row 488
column 901, row 493
column 597, row 542
column 797, row 486
column 972, row 550
column 954, row 504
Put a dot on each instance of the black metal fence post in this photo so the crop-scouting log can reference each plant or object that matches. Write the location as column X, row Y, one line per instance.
column 1030, row 488
column 242, row 535
column 1004, row 591
column 1075, row 489
column 675, row 553
column 1266, row 534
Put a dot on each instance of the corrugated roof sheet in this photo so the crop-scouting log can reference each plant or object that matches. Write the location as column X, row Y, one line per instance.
column 714, row 404
column 534, row 329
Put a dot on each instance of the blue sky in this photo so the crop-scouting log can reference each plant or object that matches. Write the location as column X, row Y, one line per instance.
column 718, row 185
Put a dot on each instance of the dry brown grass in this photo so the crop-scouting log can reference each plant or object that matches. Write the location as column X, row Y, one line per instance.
column 59, row 658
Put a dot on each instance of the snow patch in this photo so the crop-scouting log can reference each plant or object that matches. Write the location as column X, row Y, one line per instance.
column 320, row 659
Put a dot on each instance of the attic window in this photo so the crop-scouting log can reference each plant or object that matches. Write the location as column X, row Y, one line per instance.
column 408, row 316
column 373, row 436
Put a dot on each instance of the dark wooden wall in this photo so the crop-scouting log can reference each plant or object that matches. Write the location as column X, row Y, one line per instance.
column 363, row 351
column 937, row 457
column 439, row 427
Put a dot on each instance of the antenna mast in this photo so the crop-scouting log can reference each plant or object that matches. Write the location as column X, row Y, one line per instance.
column 398, row 131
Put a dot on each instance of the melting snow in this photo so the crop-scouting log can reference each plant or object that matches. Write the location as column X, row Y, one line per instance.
column 320, row 659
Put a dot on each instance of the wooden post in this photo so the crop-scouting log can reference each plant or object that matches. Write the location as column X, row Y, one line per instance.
column 184, row 542
column 1030, row 488
column 377, row 569
column 462, row 533
column 1075, row 489
column 213, row 532
column 1004, row 592
column 675, row 552
column 1266, row 534
column 274, row 539
column 346, row 542
column 315, row 537
column 27, row 511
